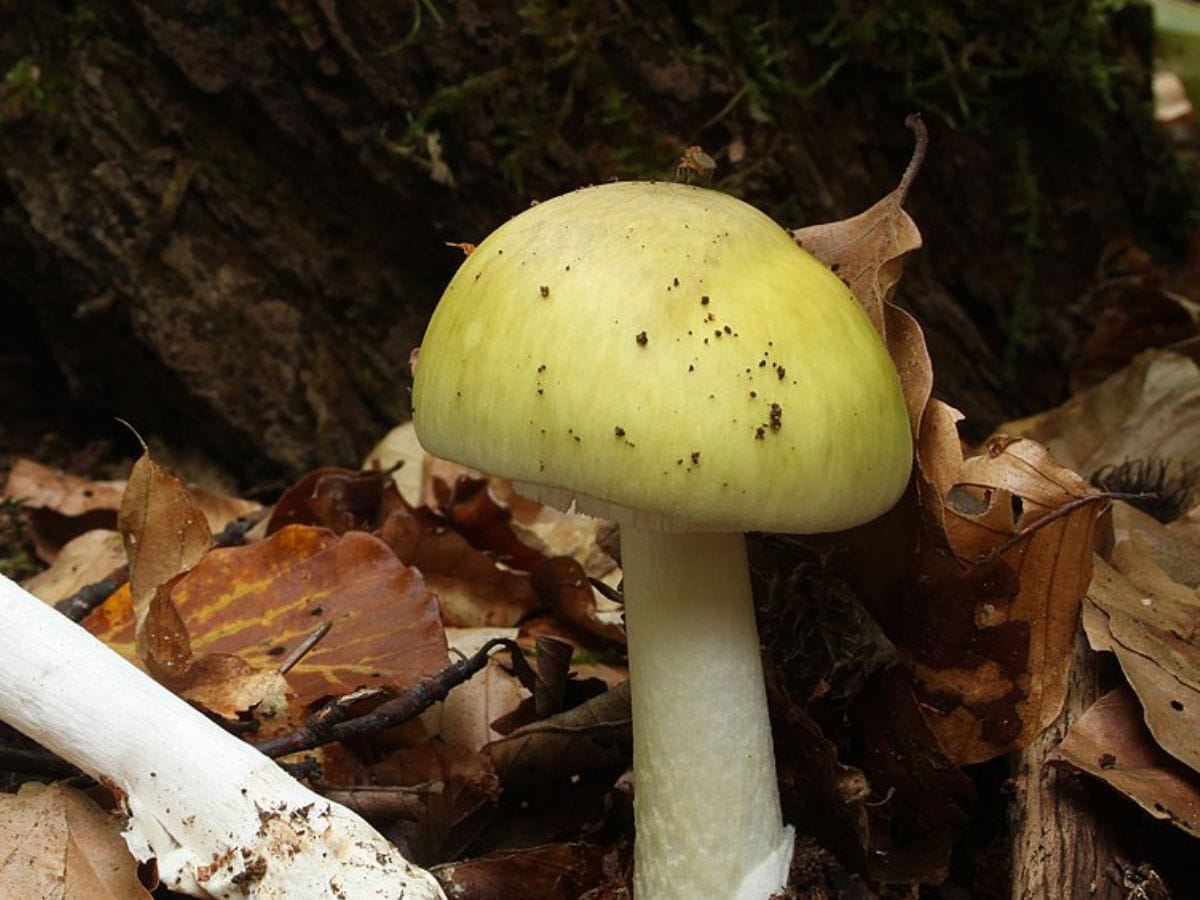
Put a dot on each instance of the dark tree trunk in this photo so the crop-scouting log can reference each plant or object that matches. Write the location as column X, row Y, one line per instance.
column 226, row 220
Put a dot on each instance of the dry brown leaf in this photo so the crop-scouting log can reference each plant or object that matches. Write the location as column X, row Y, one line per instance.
column 867, row 251
column 338, row 499
column 1110, row 742
column 61, row 506
column 544, row 528
column 989, row 613
column 1151, row 408
column 42, row 487
column 163, row 642
column 549, row 872
column 400, row 453
column 562, row 587
column 1187, row 527
column 56, row 844
column 228, row 687
column 258, row 602
column 1095, row 625
column 1159, row 617
column 465, row 717
column 84, row 560
column 165, row 535
column 906, row 346
column 1051, row 568
column 939, row 463
column 471, row 508
column 1151, row 625
column 1172, row 707
column 64, row 506
column 593, row 737
column 1168, row 545
column 458, row 789
column 474, row 592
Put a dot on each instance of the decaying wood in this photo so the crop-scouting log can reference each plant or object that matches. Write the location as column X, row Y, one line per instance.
column 1065, row 840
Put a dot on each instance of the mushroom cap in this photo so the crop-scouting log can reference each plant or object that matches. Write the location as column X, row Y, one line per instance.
column 665, row 350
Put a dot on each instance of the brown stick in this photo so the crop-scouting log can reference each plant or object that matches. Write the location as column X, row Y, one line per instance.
column 324, row 729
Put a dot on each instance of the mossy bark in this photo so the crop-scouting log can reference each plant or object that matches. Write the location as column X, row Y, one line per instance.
column 227, row 219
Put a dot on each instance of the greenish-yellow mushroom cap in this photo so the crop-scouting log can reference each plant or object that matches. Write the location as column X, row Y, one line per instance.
column 668, row 350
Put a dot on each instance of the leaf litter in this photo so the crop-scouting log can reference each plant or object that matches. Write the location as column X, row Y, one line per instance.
column 945, row 628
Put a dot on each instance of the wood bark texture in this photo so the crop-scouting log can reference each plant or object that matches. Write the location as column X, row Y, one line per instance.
column 1066, row 837
column 226, row 221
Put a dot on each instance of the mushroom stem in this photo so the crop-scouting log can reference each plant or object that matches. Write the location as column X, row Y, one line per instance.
column 221, row 819
column 706, row 802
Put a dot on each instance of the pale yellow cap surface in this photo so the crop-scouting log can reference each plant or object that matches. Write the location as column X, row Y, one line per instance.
column 667, row 349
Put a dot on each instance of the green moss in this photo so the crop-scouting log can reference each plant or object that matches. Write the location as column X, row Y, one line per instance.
column 972, row 65
column 957, row 60
column 23, row 90
column 16, row 560
column 420, row 10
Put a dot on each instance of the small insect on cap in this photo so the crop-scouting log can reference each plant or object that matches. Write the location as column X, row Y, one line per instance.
column 667, row 350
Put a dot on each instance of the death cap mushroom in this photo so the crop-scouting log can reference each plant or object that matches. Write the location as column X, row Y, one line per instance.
column 667, row 349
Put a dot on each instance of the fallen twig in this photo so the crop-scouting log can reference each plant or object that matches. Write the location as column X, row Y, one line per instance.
column 319, row 730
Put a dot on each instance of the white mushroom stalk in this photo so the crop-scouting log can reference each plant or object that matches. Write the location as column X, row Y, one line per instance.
column 707, row 803
column 221, row 819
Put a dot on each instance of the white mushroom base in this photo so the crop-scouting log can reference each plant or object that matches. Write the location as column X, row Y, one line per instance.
column 706, row 802
column 221, row 819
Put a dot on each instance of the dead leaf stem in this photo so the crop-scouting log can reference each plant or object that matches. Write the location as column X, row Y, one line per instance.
column 916, row 124
column 1065, row 510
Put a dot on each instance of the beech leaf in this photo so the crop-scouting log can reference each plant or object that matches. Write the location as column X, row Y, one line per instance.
column 592, row 737
column 456, row 792
column 56, row 844
column 61, row 506
column 465, row 717
column 83, row 561
column 165, row 534
column 867, row 251
column 1150, row 408
column 988, row 614
column 1110, row 742
column 1152, row 624
column 259, row 601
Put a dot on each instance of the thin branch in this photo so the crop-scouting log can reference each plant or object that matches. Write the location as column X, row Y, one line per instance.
column 79, row 605
column 304, row 646
column 324, row 729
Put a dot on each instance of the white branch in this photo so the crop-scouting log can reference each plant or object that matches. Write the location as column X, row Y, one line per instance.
column 221, row 819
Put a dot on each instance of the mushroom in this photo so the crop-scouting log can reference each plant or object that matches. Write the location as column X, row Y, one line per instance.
column 690, row 373
column 220, row 819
